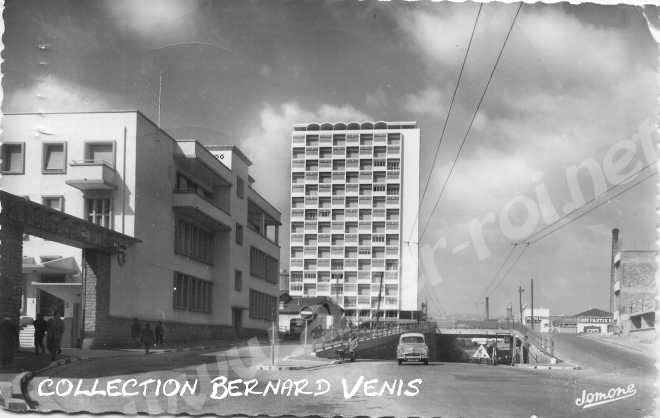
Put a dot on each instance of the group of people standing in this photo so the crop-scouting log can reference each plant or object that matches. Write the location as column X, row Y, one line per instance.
column 146, row 336
column 53, row 329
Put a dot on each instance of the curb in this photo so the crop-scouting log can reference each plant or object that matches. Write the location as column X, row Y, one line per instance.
column 268, row 367
column 547, row 367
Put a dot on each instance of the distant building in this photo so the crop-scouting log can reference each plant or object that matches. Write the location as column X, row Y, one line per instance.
column 593, row 321
column 541, row 320
column 354, row 203
column 284, row 280
column 633, row 287
column 327, row 314
column 208, row 261
column 563, row 324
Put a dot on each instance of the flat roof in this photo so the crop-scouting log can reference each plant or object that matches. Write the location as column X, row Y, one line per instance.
column 233, row 148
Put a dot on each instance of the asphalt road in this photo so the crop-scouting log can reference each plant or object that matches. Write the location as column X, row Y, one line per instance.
column 602, row 358
column 446, row 389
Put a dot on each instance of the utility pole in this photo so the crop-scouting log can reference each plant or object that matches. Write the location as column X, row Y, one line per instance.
column 487, row 313
column 520, row 291
column 532, row 298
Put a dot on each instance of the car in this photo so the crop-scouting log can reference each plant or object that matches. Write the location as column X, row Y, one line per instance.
column 412, row 347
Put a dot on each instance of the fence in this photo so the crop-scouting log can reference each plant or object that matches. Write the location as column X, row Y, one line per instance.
column 335, row 338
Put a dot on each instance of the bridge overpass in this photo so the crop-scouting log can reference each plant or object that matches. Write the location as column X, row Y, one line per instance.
column 442, row 336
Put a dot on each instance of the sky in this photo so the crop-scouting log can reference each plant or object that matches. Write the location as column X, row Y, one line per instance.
column 575, row 85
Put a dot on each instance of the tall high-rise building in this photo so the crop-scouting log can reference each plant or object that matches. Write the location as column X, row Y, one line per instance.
column 354, row 201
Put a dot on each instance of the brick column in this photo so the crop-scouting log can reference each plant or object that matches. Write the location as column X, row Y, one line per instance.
column 11, row 270
column 96, row 297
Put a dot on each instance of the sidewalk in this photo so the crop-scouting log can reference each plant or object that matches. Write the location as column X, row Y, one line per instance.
column 640, row 343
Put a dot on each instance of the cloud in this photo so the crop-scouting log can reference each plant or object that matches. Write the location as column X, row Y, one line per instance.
column 57, row 95
column 429, row 102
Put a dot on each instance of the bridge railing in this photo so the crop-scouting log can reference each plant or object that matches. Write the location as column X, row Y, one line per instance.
column 336, row 338
column 543, row 342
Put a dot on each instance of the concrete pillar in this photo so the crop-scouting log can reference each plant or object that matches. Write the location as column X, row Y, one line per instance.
column 96, row 298
column 11, row 270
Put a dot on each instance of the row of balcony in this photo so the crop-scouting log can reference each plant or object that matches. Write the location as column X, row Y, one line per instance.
column 342, row 177
column 346, row 211
column 313, row 140
column 344, row 165
column 314, row 152
column 344, row 239
column 366, row 277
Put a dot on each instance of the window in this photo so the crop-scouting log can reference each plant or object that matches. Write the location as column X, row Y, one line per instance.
column 192, row 241
column 54, row 158
column 239, row 234
column 98, row 212
column 100, row 152
column 262, row 305
column 240, row 187
column 238, row 280
column 263, row 266
column 191, row 294
column 54, row 202
column 13, row 158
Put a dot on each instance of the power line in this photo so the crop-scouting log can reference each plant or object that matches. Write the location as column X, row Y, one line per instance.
column 511, row 250
column 535, row 240
column 592, row 200
column 476, row 111
column 444, row 126
column 506, row 273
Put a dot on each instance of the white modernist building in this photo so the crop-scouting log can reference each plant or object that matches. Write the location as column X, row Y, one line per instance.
column 354, row 202
column 208, row 258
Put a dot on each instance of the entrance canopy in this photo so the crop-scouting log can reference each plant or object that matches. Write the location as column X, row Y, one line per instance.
column 65, row 265
column 53, row 225
column 69, row 292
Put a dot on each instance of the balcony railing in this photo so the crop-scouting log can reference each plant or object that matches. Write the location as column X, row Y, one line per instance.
column 366, row 151
column 392, row 251
column 393, row 200
column 324, row 238
column 325, row 139
column 392, row 226
column 338, row 176
column 380, row 164
column 352, row 164
column 338, row 226
column 309, row 251
column 298, row 213
column 339, row 151
column 325, row 165
column 351, row 238
column 352, row 139
column 297, row 238
column 393, row 175
column 393, row 149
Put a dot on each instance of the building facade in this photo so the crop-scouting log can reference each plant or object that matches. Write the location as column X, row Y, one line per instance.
column 593, row 321
column 208, row 258
column 633, row 287
column 540, row 321
column 354, row 203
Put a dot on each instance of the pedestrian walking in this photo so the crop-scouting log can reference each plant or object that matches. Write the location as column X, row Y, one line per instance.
column 55, row 330
column 147, row 338
column 525, row 351
column 8, row 340
column 136, row 329
column 159, row 334
column 40, row 328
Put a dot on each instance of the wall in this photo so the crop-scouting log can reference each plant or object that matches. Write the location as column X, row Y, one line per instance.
column 638, row 289
column 410, row 205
